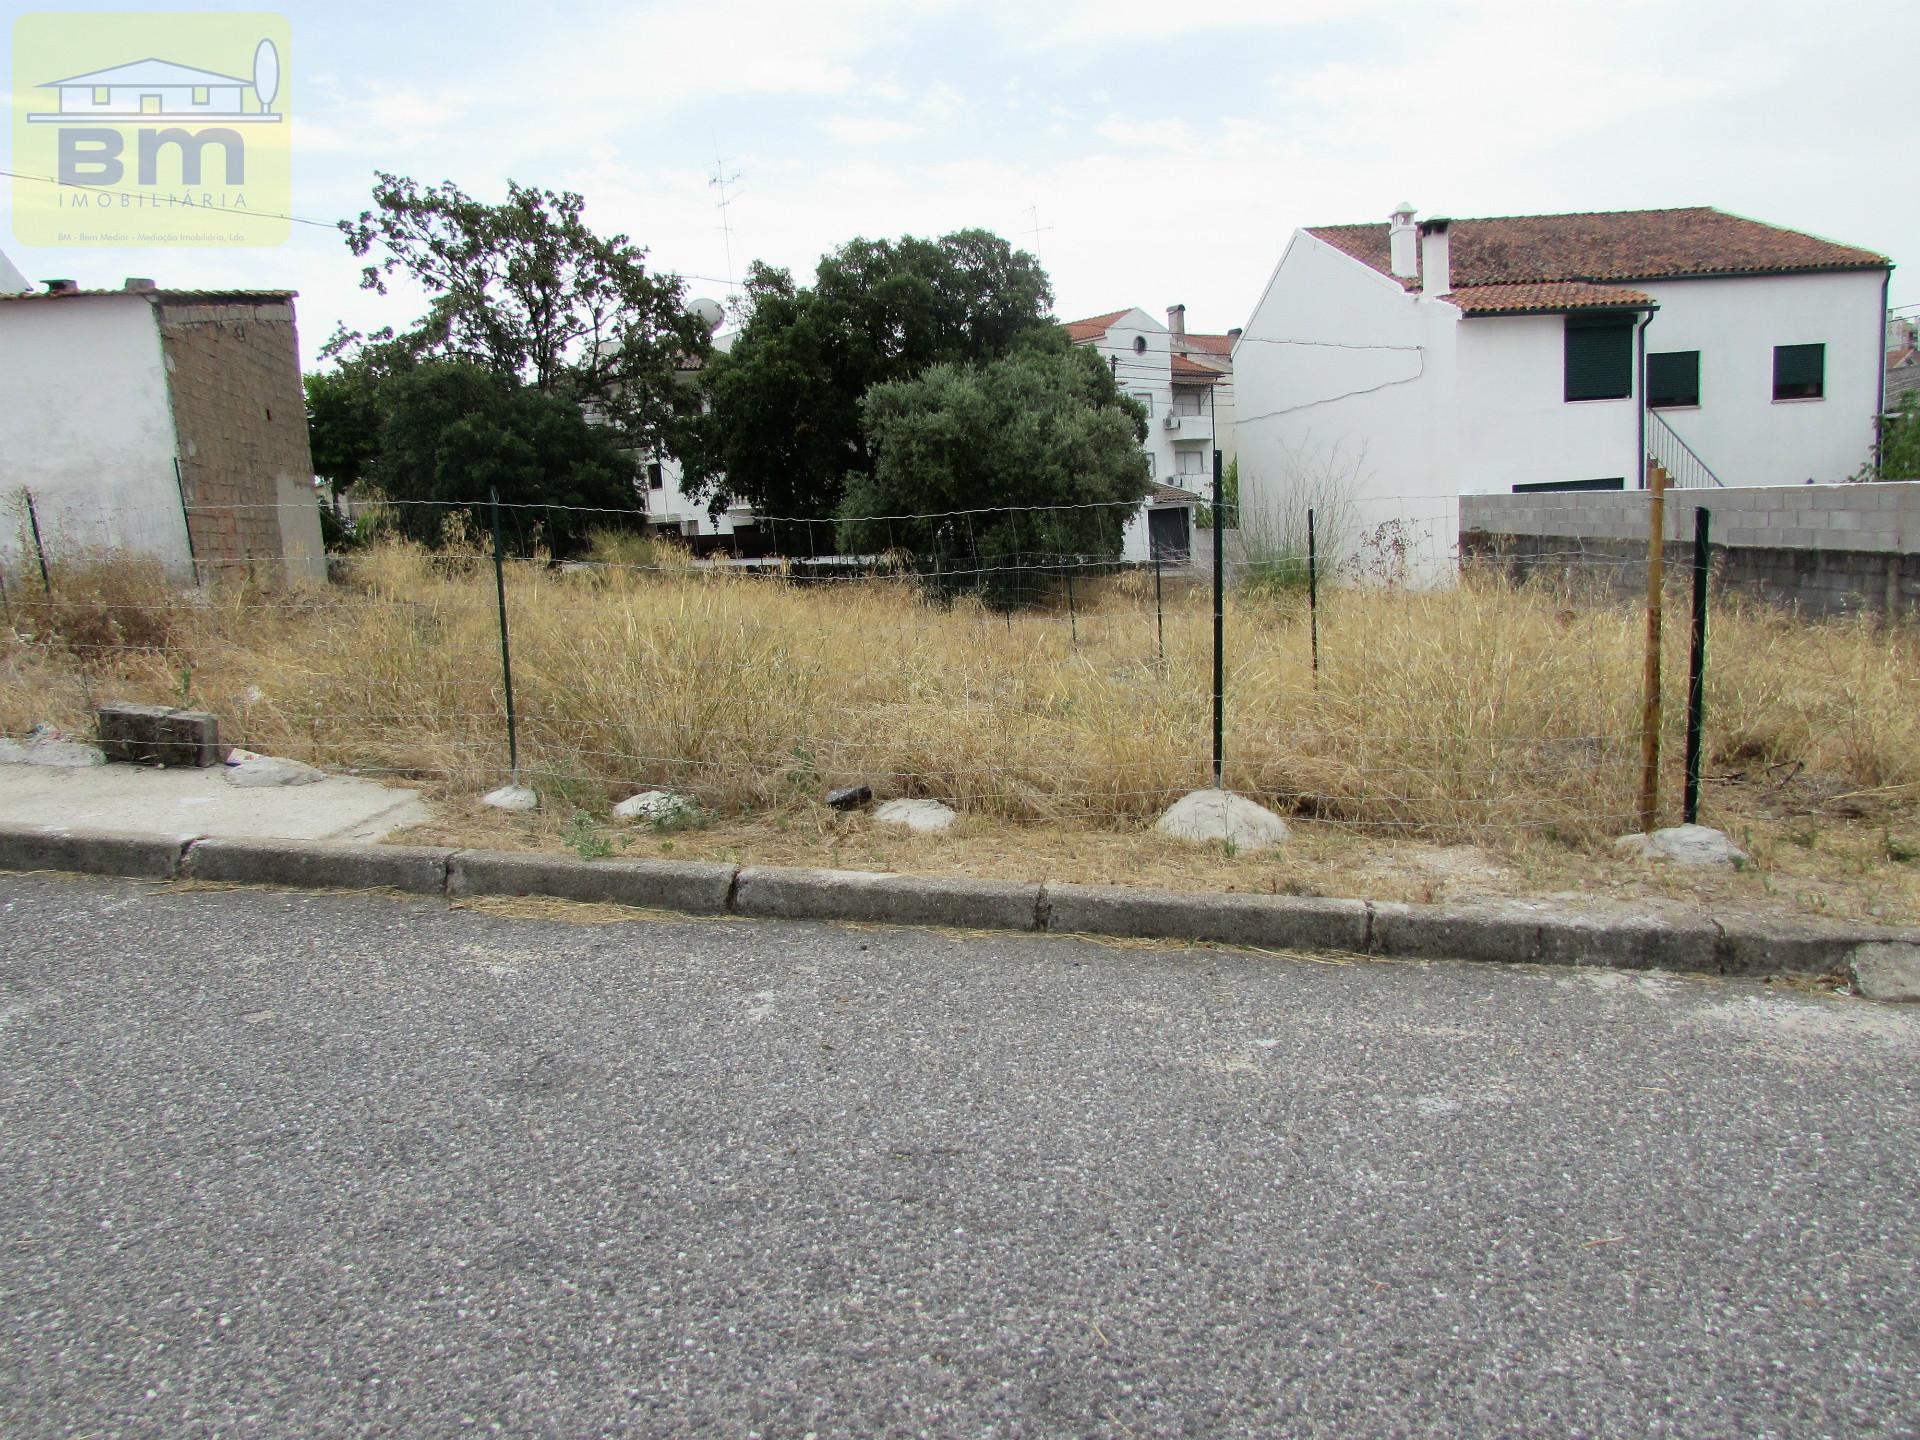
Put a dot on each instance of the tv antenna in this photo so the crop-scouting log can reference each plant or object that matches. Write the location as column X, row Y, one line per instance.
column 719, row 181
column 1035, row 229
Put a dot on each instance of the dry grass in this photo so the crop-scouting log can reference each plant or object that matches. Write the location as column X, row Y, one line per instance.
column 1472, row 713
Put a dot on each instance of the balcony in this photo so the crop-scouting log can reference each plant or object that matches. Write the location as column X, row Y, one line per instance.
column 1187, row 429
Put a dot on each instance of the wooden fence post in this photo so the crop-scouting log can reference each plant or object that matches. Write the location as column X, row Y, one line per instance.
column 1650, row 700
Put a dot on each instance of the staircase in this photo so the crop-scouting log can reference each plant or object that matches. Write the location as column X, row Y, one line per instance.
column 1685, row 470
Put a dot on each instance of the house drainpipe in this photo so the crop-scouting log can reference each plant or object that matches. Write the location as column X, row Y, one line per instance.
column 1880, row 390
column 1640, row 390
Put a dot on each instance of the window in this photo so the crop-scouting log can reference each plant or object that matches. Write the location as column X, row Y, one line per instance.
column 1799, row 372
column 1145, row 397
column 1188, row 402
column 654, row 482
column 200, row 95
column 1139, row 344
column 1149, row 464
column 1191, row 462
column 1673, row 378
column 1599, row 357
column 102, row 95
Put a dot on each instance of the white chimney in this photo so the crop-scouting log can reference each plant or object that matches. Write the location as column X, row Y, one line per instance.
column 1177, row 319
column 1401, row 248
column 1436, row 268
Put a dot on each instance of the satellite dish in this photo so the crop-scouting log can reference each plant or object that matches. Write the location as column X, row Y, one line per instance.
column 709, row 311
column 266, row 74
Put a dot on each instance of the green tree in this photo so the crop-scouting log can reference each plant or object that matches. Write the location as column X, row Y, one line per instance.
column 526, row 290
column 996, row 464
column 343, row 424
column 782, row 428
column 452, row 432
column 1900, row 441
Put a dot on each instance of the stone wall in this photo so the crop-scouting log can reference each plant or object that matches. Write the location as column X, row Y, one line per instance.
column 1825, row 549
column 246, row 472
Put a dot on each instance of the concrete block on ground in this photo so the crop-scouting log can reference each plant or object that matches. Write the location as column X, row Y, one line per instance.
column 1278, row 922
column 320, row 865
column 91, row 852
column 158, row 735
column 1887, row 971
column 776, row 893
column 698, row 887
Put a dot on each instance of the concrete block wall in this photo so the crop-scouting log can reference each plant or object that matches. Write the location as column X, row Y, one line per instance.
column 1826, row 549
column 233, row 380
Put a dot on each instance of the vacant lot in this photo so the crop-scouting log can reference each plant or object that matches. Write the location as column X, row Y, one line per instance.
column 1493, row 726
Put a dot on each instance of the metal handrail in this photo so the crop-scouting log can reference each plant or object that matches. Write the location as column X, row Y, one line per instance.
column 1686, row 469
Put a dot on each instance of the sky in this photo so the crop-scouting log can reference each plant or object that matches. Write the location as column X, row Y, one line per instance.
column 1147, row 153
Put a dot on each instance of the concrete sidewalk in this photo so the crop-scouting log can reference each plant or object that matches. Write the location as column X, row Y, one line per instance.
column 137, row 799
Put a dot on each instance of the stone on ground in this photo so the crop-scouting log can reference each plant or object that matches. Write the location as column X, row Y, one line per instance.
column 1887, row 971
column 924, row 817
column 60, row 754
column 264, row 772
column 849, row 797
column 1209, row 815
column 511, row 797
column 1684, row 845
column 656, row 807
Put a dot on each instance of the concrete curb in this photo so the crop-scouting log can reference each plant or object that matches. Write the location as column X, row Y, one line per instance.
column 1519, row 932
column 92, row 852
column 319, row 865
column 770, row 893
column 1267, row 921
column 691, row 885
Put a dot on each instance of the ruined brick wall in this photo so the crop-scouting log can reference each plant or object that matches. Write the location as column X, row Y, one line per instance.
column 233, row 380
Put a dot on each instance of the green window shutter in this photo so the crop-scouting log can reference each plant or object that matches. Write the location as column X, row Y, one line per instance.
column 1599, row 358
column 1673, row 378
column 1799, row 372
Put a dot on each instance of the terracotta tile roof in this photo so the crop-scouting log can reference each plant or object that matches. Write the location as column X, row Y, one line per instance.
column 1221, row 345
column 1168, row 495
column 1549, row 299
column 1193, row 372
column 1613, row 246
column 1091, row 329
column 245, row 296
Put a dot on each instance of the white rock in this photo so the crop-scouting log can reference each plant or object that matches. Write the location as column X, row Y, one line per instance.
column 925, row 817
column 1208, row 815
column 656, row 807
column 1887, row 971
column 63, row 754
column 511, row 797
column 1684, row 845
column 266, row 771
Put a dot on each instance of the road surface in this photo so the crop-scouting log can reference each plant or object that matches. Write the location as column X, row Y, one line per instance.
column 289, row 1165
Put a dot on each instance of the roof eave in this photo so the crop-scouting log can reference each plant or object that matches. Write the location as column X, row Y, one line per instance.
column 1467, row 314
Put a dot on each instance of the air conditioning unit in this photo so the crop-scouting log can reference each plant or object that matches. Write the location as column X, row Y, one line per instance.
column 1171, row 422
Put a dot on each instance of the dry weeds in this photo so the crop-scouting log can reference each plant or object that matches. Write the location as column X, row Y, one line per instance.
column 1479, row 714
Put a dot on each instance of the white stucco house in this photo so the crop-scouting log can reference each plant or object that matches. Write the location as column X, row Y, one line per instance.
column 163, row 423
column 1183, row 381
column 671, row 511
column 1390, row 368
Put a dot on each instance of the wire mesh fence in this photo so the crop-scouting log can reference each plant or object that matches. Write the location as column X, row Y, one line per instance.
column 1385, row 683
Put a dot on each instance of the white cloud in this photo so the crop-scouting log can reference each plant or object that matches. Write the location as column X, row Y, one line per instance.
column 868, row 129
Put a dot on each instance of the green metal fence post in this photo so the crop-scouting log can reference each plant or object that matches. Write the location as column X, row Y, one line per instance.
column 1697, row 666
column 506, row 657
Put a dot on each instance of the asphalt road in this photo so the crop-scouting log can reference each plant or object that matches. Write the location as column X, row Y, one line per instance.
column 309, row 1166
